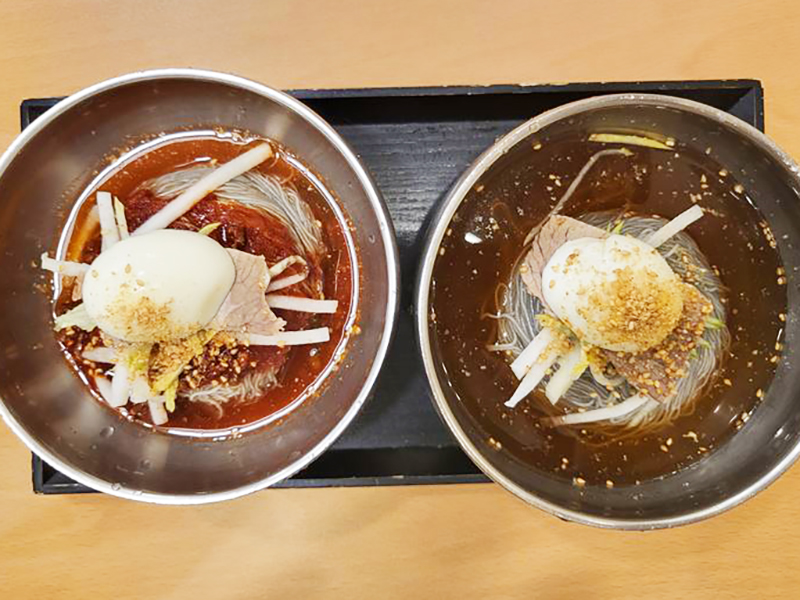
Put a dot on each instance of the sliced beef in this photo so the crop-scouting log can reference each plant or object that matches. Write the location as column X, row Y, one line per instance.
column 553, row 234
column 245, row 304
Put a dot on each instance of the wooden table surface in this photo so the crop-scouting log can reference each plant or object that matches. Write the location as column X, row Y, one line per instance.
column 404, row 542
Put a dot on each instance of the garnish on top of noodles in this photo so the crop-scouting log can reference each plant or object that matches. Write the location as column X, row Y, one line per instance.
column 159, row 296
column 610, row 314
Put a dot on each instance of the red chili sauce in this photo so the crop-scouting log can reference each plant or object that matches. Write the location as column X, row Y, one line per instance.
column 245, row 229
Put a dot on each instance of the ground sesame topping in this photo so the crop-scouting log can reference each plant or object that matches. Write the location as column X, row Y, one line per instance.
column 635, row 308
column 657, row 370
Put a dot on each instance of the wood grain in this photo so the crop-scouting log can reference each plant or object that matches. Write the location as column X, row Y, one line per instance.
column 437, row 542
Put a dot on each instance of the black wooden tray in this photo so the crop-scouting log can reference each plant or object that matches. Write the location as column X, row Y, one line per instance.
column 416, row 142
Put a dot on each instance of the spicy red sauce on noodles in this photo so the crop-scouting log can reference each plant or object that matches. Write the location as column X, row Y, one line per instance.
column 249, row 230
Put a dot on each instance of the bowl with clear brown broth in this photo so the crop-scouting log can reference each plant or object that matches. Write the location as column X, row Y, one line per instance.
column 191, row 313
column 606, row 311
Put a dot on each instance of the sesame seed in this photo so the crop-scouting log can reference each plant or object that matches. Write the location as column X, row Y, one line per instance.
column 691, row 435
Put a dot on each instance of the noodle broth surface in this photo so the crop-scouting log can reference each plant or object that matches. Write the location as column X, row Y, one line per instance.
column 249, row 230
column 484, row 241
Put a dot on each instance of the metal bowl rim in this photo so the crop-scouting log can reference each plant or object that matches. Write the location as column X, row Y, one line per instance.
column 386, row 233
column 441, row 220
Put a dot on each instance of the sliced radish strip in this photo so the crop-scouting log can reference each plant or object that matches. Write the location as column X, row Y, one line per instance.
column 603, row 414
column 100, row 354
column 75, row 317
column 104, row 387
column 285, row 282
column 288, row 338
column 157, row 411
column 122, row 221
column 531, row 380
column 281, row 266
column 120, row 386
column 571, row 367
column 64, row 267
column 676, row 225
column 299, row 304
column 140, row 390
column 183, row 203
column 108, row 224
column 532, row 352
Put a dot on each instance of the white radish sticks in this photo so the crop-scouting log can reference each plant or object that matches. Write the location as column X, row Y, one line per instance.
column 104, row 387
column 571, row 367
column 157, row 411
column 122, row 221
column 288, row 338
column 603, row 414
column 120, row 386
column 300, row 304
column 184, row 203
column 100, row 354
column 532, row 378
column 108, row 223
column 280, row 266
column 532, row 352
column 676, row 225
column 64, row 267
column 284, row 282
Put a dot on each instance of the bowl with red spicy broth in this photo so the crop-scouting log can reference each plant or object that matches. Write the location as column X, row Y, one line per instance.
column 201, row 285
column 607, row 307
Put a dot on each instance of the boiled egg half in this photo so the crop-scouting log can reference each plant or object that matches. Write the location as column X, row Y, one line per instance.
column 615, row 292
column 158, row 286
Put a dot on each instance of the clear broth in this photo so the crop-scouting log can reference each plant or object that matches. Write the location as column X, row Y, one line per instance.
column 507, row 203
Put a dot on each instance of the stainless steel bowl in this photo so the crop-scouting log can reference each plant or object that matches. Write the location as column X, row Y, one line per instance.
column 44, row 402
column 758, row 453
